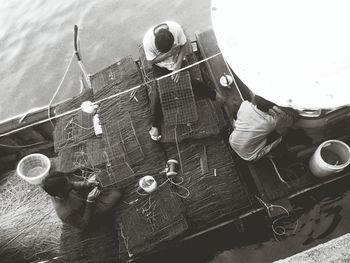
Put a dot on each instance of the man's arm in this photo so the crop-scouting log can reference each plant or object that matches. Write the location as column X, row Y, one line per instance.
column 81, row 222
column 78, row 221
column 163, row 56
column 178, row 63
column 180, row 57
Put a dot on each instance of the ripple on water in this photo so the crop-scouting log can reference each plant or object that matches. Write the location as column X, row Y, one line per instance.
column 36, row 41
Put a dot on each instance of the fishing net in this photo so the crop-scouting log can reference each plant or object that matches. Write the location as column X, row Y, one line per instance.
column 210, row 122
column 153, row 219
column 177, row 100
column 118, row 74
column 216, row 191
column 125, row 120
column 75, row 127
column 85, row 155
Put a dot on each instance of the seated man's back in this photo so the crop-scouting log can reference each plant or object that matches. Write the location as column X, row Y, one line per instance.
column 252, row 128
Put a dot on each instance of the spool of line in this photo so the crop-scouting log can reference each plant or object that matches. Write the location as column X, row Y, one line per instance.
column 172, row 167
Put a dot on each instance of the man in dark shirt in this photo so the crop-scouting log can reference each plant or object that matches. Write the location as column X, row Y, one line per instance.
column 71, row 203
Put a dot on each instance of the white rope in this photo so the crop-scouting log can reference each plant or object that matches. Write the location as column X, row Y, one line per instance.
column 277, row 230
column 277, row 172
column 59, row 87
column 107, row 98
column 233, row 77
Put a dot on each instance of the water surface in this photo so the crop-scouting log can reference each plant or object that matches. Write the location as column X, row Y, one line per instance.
column 36, row 42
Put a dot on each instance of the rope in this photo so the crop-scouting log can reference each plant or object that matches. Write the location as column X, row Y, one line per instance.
column 277, row 172
column 233, row 77
column 277, row 230
column 58, row 88
column 84, row 128
column 177, row 144
column 178, row 184
column 107, row 98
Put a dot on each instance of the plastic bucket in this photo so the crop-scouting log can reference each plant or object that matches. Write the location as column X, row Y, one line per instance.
column 34, row 168
column 330, row 157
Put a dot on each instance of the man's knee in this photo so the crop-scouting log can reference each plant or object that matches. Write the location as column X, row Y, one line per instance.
column 108, row 199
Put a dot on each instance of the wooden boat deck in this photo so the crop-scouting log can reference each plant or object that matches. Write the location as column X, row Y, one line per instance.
column 205, row 169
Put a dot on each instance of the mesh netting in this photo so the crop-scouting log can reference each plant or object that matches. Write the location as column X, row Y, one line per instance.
column 76, row 127
column 153, row 219
column 177, row 100
column 210, row 122
column 114, row 75
column 87, row 154
column 216, row 189
column 125, row 120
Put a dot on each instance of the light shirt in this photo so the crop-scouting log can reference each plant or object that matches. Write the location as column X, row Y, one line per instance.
column 252, row 127
column 150, row 48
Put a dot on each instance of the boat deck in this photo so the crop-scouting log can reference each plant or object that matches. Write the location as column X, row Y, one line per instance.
column 213, row 186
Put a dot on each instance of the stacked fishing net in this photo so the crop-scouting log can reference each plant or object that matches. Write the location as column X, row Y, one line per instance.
column 149, row 220
column 124, row 120
column 212, row 189
column 85, row 155
column 76, row 127
column 30, row 228
column 210, row 122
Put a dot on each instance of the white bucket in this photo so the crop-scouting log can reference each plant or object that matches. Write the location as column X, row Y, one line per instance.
column 34, row 168
column 330, row 157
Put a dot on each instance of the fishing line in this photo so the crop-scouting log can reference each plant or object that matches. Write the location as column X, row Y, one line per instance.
column 233, row 77
column 59, row 87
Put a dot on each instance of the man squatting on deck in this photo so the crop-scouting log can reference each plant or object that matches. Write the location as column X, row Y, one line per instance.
column 164, row 46
column 77, row 203
column 258, row 127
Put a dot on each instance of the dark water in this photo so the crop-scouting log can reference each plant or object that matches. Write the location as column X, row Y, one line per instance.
column 317, row 217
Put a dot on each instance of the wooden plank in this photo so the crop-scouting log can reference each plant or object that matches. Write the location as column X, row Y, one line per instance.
column 217, row 67
column 30, row 135
column 269, row 185
column 30, row 118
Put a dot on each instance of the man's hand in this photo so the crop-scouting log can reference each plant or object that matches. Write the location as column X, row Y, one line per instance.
column 175, row 50
column 92, row 181
column 176, row 76
column 93, row 195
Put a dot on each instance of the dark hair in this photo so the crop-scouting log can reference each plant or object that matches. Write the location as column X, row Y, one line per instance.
column 55, row 184
column 164, row 40
column 262, row 104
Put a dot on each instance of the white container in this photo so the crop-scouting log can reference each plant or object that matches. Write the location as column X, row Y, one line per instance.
column 330, row 157
column 97, row 125
column 34, row 168
column 148, row 183
column 87, row 107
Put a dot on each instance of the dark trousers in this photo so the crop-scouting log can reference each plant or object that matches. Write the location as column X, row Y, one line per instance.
column 200, row 91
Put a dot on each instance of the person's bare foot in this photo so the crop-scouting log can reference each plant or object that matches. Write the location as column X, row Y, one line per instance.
column 154, row 133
